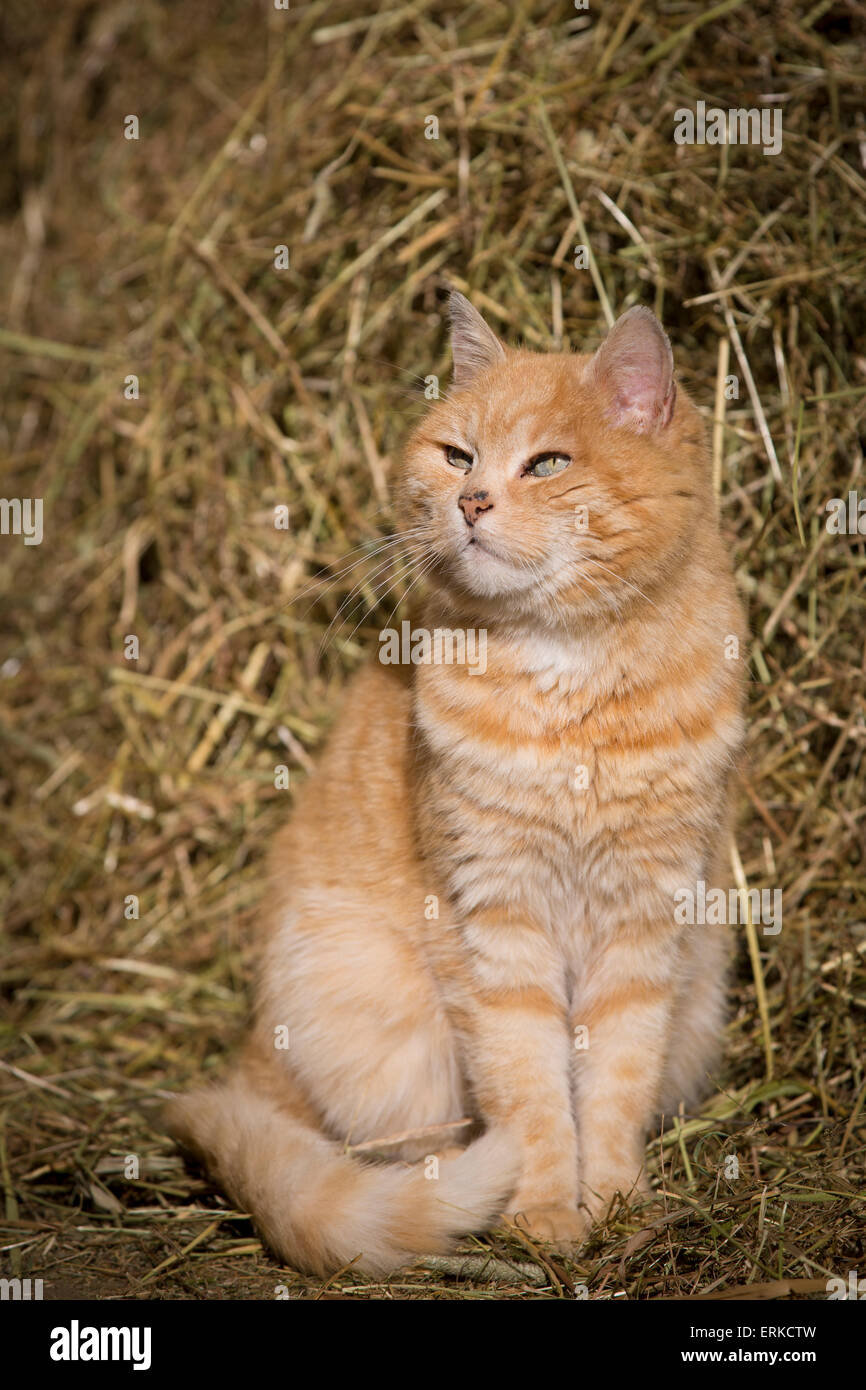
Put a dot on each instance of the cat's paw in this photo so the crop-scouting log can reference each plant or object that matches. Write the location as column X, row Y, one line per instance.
column 563, row 1227
column 598, row 1198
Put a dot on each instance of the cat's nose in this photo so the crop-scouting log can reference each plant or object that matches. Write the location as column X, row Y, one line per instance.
column 472, row 504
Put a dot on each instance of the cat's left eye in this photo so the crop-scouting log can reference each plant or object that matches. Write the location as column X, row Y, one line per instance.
column 545, row 465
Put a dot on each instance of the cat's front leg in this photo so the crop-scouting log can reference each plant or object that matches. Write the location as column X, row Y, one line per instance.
column 512, row 1021
column 621, row 1025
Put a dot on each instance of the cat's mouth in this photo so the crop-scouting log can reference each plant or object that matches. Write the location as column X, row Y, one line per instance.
column 488, row 549
column 489, row 571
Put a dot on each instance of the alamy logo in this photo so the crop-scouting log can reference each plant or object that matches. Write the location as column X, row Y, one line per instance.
column 846, row 516
column 739, row 126
column 444, row 646
column 22, row 517
column 855, row 1288
column 20, row 1289
column 76, row 1343
column 699, row 906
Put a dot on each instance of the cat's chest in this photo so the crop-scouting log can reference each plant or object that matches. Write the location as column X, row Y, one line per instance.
column 553, row 747
column 566, row 795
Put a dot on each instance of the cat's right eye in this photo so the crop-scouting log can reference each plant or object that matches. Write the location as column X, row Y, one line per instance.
column 458, row 458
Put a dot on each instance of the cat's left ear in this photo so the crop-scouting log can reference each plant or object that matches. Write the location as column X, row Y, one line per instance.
column 474, row 346
column 634, row 369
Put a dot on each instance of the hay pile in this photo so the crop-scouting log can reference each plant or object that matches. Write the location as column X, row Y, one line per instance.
column 262, row 387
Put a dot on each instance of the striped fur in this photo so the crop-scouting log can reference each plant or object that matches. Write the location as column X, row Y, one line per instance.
column 480, row 875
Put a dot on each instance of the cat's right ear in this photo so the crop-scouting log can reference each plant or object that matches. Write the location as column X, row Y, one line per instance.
column 474, row 346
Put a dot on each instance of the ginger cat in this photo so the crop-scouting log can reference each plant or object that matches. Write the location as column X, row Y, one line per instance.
column 551, row 804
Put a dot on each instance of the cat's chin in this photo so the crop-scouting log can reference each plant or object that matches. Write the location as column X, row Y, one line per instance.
column 483, row 572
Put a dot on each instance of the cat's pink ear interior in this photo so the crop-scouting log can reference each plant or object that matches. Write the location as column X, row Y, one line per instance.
column 474, row 346
column 634, row 370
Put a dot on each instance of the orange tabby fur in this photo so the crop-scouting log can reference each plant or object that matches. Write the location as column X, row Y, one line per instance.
column 551, row 805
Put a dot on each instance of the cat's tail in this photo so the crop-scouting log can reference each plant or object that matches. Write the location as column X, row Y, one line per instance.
column 319, row 1209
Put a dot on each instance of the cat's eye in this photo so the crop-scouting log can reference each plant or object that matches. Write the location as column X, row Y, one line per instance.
column 458, row 458
column 545, row 465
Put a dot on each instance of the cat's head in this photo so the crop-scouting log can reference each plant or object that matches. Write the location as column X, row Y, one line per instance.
column 556, row 481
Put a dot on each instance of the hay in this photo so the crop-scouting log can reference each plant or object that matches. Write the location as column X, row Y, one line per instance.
column 262, row 388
